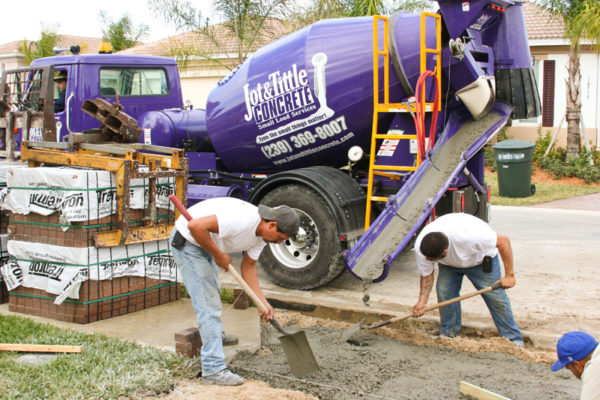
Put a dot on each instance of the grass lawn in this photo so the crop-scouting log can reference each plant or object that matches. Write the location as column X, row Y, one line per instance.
column 547, row 189
column 106, row 369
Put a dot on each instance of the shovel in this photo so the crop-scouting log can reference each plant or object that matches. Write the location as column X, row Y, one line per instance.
column 295, row 345
column 348, row 333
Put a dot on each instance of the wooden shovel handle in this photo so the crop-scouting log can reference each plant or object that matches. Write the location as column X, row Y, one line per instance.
column 180, row 207
column 497, row 285
column 261, row 306
column 257, row 301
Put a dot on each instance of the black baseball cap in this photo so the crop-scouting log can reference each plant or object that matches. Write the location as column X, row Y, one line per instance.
column 286, row 218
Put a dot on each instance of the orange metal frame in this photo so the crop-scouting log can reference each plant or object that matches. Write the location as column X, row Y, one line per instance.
column 387, row 107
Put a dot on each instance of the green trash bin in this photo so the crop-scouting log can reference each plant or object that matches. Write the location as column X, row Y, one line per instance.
column 514, row 159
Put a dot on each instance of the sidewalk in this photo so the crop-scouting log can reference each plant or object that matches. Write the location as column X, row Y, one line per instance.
column 590, row 202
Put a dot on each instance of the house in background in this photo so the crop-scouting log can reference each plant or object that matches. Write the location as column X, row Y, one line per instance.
column 200, row 74
column 550, row 55
column 11, row 57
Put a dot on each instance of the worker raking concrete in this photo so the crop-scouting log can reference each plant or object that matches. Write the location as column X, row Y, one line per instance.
column 464, row 245
column 220, row 226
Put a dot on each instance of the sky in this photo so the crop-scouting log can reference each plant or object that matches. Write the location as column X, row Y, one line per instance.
column 23, row 19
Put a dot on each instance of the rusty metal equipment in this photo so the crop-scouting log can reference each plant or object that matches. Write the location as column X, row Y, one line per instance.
column 125, row 161
column 116, row 125
column 26, row 103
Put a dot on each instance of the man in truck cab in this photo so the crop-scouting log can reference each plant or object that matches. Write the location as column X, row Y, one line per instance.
column 61, row 84
column 220, row 226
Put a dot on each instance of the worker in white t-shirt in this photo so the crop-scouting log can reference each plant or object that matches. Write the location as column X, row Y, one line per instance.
column 579, row 353
column 464, row 245
column 220, row 226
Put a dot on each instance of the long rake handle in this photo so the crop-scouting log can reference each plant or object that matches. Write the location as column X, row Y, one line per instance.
column 434, row 306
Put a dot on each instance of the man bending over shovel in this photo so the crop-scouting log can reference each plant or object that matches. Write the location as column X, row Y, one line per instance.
column 220, row 226
column 464, row 245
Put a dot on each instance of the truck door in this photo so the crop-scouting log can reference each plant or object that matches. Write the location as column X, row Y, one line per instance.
column 64, row 94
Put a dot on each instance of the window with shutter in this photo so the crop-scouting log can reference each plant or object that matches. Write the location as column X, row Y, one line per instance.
column 548, row 93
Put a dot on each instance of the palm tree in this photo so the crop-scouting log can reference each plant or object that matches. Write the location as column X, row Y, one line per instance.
column 122, row 34
column 319, row 9
column 41, row 48
column 581, row 19
column 247, row 25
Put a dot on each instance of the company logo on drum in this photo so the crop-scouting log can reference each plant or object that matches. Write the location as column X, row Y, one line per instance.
column 278, row 98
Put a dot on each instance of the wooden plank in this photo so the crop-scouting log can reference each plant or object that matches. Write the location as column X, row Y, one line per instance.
column 40, row 348
column 478, row 393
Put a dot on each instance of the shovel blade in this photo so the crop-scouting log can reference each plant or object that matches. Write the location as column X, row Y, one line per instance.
column 299, row 354
column 350, row 332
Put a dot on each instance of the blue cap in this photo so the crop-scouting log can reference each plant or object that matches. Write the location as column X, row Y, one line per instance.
column 573, row 346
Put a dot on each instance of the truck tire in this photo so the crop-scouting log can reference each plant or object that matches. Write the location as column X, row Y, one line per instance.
column 306, row 265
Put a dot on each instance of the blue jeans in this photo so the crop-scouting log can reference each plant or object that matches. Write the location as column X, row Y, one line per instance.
column 448, row 286
column 199, row 273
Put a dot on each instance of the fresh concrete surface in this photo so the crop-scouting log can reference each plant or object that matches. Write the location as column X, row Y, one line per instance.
column 556, row 265
column 156, row 326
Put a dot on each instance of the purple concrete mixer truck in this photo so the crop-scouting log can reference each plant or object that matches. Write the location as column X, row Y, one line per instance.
column 340, row 120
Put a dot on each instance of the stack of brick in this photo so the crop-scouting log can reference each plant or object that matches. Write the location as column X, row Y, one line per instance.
column 3, row 261
column 3, row 233
column 55, row 271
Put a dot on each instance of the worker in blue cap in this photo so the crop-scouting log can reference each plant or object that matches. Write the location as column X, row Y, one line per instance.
column 580, row 353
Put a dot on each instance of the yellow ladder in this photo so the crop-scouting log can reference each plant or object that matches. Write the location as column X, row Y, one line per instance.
column 387, row 107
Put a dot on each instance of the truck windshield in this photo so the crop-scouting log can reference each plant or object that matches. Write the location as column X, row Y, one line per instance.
column 127, row 82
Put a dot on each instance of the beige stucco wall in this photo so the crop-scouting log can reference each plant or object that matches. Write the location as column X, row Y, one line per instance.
column 530, row 133
column 197, row 89
column 10, row 61
column 198, row 79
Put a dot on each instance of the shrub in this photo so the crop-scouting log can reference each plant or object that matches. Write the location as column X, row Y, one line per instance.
column 576, row 167
column 490, row 160
column 542, row 143
column 554, row 163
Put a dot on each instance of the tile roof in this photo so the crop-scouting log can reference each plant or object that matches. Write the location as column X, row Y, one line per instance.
column 185, row 42
column 10, row 47
column 541, row 24
column 91, row 44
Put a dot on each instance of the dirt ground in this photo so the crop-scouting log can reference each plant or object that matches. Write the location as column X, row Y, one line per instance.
column 392, row 364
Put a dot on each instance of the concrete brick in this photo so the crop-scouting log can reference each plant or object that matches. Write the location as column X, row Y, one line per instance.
column 188, row 350
column 188, row 335
column 241, row 301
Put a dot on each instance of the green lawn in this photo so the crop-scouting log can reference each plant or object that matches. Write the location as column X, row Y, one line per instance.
column 106, row 369
column 545, row 192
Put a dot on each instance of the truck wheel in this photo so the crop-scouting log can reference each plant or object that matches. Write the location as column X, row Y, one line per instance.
column 314, row 261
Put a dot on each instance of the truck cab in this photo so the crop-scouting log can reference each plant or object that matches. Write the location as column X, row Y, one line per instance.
column 141, row 83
